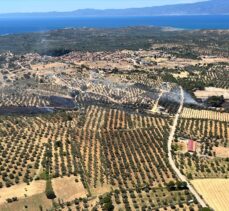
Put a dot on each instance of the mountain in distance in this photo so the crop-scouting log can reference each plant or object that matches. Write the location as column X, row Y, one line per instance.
column 210, row 7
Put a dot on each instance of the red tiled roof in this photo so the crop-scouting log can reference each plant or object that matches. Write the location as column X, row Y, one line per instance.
column 191, row 146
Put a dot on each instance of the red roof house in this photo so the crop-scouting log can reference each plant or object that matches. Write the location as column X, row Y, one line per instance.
column 191, row 146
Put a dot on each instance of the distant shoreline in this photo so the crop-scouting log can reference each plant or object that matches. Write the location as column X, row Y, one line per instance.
column 27, row 25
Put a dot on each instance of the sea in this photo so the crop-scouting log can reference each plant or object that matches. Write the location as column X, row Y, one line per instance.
column 25, row 25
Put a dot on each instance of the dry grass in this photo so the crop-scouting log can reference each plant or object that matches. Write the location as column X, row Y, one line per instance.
column 32, row 203
column 68, row 189
column 184, row 74
column 214, row 191
column 101, row 190
column 221, row 152
column 183, row 146
column 22, row 190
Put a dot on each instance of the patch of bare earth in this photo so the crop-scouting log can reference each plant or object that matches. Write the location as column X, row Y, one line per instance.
column 32, row 203
column 221, row 152
column 68, row 189
column 101, row 190
column 22, row 190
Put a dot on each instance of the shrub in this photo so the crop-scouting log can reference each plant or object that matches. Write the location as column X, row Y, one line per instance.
column 49, row 190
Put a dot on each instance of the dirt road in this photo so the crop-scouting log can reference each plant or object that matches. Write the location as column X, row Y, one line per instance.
column 172, row 163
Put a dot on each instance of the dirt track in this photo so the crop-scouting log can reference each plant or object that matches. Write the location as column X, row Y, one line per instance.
column 172, row 163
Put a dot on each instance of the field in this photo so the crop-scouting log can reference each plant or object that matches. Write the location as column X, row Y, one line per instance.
column 209, row 159
column 202, row 167
column 22, row 191
column 152, row 199
column 89, row 153
column 205, row 114
column 214, row 191
column 209, row 91
column 209, row 128
column 87, row 146
column 33, row 203
column 89, row 126
column 201, row 75
column 73, row 188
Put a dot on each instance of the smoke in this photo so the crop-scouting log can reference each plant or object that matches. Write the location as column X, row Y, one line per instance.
column 174, row 96
column 188, row 99
column 123, row 90
column 97, row 78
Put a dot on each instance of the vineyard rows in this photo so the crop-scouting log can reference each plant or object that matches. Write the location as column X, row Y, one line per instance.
column 204, row 114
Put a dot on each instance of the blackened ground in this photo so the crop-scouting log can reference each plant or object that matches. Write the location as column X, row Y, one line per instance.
column 24, row 110
column 61, row 102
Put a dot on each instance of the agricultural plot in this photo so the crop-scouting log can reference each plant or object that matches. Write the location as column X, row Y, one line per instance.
column 153, row 199
column 205, row 114
column 22, row 191
column 72, row 186
column 91, row 129
column 23, row 101
column 29, row 139
column 30, row 98
column 21, row 150
column 212, row 91
column 217, row 75
column 195, row 167
column 94, row 149
column 209, row 133
column 99, row 145
column 208, row 160
column 118, row 91
column 143, row 198
column 213, row 74
column 199, row 76
column 33, row 203
column 214, row 191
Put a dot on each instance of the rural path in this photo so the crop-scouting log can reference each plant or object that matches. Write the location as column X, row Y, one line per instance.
column 155, row 106
column 171, row 161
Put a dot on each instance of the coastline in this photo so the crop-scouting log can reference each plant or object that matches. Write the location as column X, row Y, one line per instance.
column 43, row 24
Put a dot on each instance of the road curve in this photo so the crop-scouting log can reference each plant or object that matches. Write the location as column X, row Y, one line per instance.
column 172, row 163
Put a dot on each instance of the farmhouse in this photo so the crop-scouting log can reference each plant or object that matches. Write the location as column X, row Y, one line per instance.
column 191, row 146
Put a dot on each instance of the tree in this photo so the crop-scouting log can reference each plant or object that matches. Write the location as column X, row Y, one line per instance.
column 49, row 190
column 215, row 101
column 205, row 209
column 182, row 185
column 190, row 176
column 108, row 206
column 171, row 185
column 107, row 203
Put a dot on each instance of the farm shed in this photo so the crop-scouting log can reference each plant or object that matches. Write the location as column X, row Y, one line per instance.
column 191, row 146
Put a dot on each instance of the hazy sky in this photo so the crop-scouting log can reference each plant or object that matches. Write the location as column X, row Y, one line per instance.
column 8, row 6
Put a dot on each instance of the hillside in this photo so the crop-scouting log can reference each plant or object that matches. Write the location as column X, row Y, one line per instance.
column 130, row 119
column 212, row 7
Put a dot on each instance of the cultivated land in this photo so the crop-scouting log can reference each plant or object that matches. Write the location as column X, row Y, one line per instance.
column 214, row 191
column 108, row 127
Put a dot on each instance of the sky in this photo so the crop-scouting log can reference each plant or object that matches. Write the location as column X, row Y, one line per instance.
column 11, row 6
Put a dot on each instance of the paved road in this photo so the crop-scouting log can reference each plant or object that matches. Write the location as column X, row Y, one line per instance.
column 172, row 163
